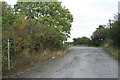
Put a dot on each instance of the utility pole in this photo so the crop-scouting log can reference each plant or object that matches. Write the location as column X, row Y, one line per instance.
column 119, row 11
column 110, row 23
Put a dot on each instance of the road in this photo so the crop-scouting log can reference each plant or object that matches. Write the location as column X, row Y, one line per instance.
column 80, row 62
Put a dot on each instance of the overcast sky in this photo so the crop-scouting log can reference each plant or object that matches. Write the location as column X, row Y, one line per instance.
column 88, row 14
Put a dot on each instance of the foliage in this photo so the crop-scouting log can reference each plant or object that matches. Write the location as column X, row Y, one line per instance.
column 112, row 50
column 115, row 33
column 102, row 35
column 51, row 13
column 81, row 41
column 69, row 43
column 99, row 36
column 35, row 27
column 7, row 15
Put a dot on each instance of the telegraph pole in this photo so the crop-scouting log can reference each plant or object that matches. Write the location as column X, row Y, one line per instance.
column 110, row 23
column 119, row 11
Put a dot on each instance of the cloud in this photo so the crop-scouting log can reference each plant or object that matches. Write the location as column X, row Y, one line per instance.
column 11, row 2
column 89, row 14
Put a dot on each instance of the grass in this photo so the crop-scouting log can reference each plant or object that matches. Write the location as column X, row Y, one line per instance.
column 86, row 45
column 113, row 51
column 26, row 61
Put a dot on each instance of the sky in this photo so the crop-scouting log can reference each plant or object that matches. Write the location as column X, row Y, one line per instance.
column 87, row 14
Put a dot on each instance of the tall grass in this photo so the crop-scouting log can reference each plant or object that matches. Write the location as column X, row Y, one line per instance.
column 25, row 61
column 112, row 50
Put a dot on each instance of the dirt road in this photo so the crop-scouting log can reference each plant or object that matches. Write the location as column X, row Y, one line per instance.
column 80, row 62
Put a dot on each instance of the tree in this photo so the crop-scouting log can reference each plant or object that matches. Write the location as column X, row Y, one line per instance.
column 7, row 20
column 51, row 13
column 81, row 41
column 35, row 27
column 7, row 15
column 115, row 33
column 99, row 36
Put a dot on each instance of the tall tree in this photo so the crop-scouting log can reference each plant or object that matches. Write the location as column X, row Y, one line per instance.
column 7, row 15
column 115, row 33
column 51, row 13
column 99, row 36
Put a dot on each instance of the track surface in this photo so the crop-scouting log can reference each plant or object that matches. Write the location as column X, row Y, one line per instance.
column 80, row 62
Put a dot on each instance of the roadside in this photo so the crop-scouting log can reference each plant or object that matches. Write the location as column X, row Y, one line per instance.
column 26, row 61
column 80, row 62
column 113, row 51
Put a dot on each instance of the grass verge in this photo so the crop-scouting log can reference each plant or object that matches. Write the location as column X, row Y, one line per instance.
column 113, row 51
column 26, row 61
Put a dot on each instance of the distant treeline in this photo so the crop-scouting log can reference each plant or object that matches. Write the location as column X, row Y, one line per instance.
column 103, row 34
column 82, row 41
column 107, row 34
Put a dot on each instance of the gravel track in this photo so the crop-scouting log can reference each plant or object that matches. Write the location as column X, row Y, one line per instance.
column 80, row 62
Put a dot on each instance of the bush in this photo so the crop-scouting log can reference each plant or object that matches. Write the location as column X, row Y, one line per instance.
column 115, row 33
